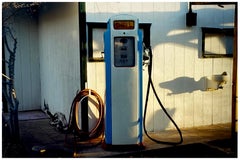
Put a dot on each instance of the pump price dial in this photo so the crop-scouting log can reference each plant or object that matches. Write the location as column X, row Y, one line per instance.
column 123, row 24
column 124, row 52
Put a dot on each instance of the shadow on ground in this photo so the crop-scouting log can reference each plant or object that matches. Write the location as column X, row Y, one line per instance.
column 197, row 150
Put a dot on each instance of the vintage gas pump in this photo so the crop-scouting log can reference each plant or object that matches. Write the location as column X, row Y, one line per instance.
column 123, row 58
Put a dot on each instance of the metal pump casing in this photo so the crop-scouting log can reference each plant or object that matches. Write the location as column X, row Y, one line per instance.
column 123, row 60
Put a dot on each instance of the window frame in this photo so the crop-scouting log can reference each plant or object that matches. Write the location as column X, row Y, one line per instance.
column 220, row 32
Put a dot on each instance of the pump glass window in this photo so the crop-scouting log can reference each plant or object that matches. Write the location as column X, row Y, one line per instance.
column 124, row 49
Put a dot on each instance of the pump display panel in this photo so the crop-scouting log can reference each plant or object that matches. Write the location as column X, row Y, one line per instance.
column 123, row 24
column 124, row 52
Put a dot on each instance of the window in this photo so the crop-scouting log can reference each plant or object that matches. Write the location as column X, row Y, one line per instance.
column 217, row 43
column 96, row 43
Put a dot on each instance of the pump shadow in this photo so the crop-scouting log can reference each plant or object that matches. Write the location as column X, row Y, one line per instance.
column 159, row 120
column 183, row 85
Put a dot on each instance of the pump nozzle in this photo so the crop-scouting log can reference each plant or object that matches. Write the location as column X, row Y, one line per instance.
column 145, row 55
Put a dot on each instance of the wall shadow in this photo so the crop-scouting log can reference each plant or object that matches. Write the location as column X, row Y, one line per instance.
column 183, row 85
column 159, row 119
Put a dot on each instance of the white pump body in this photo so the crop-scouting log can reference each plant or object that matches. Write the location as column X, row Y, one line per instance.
column 123, row 59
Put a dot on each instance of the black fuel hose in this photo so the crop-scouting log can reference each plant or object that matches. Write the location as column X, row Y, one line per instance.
column 98, row 129
column 150, row 84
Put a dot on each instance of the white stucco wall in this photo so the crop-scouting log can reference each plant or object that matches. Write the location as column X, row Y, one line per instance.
column 48, row 58
column 27, row 66
column 59, row 55
column 178, row 69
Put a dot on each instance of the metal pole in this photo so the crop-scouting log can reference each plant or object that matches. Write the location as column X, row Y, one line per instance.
column 83, row 62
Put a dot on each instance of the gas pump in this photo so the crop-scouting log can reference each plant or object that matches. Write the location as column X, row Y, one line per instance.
column 123, row 59
column 123, row 62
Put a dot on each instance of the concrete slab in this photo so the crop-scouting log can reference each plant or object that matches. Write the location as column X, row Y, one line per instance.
column 42, row 140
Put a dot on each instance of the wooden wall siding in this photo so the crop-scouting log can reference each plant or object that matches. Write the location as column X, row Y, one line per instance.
column 178, row 69
column 27, row 66
column 59, row 55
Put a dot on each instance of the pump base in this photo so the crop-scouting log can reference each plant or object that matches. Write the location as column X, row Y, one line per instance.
column 130, row 147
